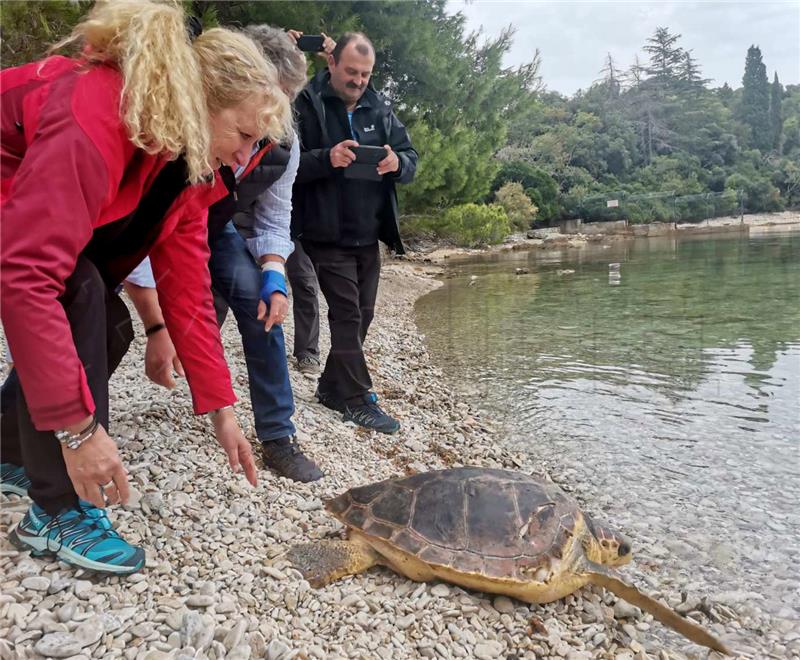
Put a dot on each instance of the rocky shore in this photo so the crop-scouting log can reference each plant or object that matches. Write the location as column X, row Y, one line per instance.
column 217, row 585
column 607, row 232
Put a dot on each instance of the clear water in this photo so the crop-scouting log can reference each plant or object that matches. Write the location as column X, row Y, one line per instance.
column 668, row 392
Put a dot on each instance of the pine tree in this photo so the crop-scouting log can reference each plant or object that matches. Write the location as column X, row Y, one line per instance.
column 688, row 72
column 665, row 57
column 612, row 77
column 775, row 118
column 754, row 109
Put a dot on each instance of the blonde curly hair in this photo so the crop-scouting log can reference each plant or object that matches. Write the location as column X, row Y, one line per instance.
column 171, row 84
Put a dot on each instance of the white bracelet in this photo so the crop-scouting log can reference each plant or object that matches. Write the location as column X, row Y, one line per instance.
column 277, row 266
column 213, row 413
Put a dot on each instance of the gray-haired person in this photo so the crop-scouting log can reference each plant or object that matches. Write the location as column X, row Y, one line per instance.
column 250, row 242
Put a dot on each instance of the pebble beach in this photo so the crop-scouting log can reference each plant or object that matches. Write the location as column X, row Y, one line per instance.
column 217, row 584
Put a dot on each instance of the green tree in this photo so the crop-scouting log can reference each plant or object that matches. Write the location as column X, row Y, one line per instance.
column 665, row 58
column 28, row 29
column 518, row 207
column 754, row 108
column 688, row 72
column 775, row 117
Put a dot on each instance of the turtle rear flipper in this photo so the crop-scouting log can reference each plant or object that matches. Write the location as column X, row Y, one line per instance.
column 323, row 562
column 601, row 576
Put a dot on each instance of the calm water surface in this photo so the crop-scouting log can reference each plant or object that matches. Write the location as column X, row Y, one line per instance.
column 669, row 392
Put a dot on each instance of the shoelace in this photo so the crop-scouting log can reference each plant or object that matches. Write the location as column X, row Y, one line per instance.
column 74, row 524
column 291, row 449
column 363, row 413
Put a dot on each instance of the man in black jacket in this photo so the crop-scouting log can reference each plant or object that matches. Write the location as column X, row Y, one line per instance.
column 340, row 220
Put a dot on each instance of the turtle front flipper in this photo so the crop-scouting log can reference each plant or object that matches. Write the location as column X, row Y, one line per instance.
column 601, row 576
column 323, row 562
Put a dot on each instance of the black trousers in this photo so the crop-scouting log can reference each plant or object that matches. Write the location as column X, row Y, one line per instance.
column 348, row 278
column 305, row 303
column 102, row 331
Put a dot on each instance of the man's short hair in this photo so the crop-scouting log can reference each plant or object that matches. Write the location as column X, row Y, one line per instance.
column 362, row 44
column 284, row 55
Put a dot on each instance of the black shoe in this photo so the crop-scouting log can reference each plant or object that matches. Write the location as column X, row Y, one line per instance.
column 285, row 457
column 369, row 415
column 330, row 401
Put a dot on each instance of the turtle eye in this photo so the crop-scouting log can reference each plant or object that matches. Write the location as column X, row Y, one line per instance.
column 624, row 549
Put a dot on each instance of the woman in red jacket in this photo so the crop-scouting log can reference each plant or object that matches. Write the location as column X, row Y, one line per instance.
column 105, row 158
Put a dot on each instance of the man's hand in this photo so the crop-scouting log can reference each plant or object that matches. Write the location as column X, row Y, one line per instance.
column 327, row 45
column 389, row 164
column 95, row 469
column 160, row 359
column 236, row 446
column 341, row 156
column 276, row 313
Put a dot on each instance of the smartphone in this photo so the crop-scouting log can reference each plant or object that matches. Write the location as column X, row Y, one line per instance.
column 310, row 43
column 365, row 166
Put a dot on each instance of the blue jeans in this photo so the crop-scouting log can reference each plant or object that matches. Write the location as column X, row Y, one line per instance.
column 236, row 279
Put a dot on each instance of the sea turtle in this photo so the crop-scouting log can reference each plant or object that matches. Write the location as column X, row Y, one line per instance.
column 490, row 530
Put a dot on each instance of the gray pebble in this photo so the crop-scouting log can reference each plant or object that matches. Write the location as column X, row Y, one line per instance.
column 36, row 583
column 58, row 645
column 503, row 604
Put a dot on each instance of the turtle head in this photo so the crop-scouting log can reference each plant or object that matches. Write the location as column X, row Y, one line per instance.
column 606, row 546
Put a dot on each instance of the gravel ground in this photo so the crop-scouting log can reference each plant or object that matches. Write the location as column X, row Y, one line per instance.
column 216, row 582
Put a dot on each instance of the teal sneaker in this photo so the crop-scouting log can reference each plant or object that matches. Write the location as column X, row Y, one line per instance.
column 370, row 415
column 13, row 480
column 82, row 537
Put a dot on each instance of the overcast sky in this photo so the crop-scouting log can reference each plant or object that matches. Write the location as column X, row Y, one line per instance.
column 574, row 37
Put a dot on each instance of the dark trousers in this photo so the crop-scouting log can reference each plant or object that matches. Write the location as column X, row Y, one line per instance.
column 305, row 303
column 348, row 278
column 102, row 331
column 236, row 280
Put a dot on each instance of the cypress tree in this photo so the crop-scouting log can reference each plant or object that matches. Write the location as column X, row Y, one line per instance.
column 754, row 110
column 775, row 118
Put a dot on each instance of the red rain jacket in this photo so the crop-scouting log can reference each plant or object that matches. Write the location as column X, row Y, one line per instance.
column 67, row 167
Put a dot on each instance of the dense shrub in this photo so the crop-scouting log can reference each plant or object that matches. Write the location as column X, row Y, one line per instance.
column 473, row 225
column 518, row 206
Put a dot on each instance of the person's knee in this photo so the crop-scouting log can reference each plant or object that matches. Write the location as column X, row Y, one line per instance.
column 344, row 313
column 120, row 330
column 121, row 337
column 304, row 287
column 85, row 286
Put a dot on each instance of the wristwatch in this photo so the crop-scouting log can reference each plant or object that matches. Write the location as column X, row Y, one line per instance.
column 75, row 440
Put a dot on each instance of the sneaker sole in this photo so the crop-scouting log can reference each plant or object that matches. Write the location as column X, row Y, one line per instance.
column 38, row 547
column 346, row 420
column 11, row 489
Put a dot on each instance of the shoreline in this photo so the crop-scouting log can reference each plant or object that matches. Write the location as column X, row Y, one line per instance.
column 216, row 583
column 756, row 223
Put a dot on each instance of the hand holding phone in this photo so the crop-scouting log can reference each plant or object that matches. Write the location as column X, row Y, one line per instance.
column 389, row 164
column 367, row 163
column 341, row 154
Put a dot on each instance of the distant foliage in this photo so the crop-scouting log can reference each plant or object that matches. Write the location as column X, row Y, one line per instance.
column 517, row 205
column 651, row 131
column 474, row 225
column 754, row 108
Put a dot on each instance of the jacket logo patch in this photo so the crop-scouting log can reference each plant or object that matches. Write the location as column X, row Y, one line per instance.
column 369, row 129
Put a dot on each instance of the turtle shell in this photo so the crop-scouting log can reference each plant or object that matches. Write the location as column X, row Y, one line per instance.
column 496, row 523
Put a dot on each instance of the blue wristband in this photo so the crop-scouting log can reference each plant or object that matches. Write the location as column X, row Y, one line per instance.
column 272, row 282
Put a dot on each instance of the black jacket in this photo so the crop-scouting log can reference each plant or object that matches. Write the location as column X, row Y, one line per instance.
column 238, row 205
column 321, row 191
